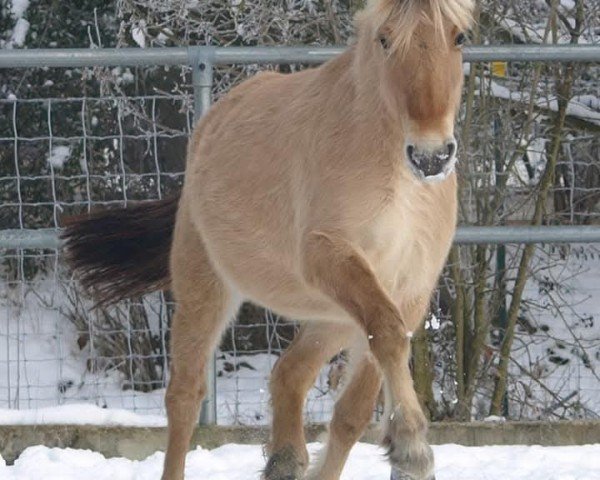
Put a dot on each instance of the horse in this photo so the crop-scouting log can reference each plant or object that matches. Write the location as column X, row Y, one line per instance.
column 329, row 196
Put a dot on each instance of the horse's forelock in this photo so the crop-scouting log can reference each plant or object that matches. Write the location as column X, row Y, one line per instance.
column 403, row 16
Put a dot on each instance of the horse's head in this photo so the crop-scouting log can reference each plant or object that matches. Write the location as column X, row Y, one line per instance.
column 416, row 48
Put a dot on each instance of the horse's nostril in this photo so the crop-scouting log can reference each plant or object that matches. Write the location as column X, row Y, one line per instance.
column 410, row 150
column 451, row 148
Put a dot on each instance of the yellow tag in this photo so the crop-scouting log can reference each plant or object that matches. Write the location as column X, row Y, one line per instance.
column 499, row 69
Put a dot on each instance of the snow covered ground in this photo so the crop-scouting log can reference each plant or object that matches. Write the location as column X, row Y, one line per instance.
column 79, row 414
column 366, row 462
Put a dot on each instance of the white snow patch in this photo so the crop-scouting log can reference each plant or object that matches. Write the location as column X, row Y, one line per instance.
column 127, row 77
column 366, row 462
column 59, row 155
column 433, row 323
column 19, row 7
column 19, row 33
column 582, row 107
column 568, row 4
column 494, row 419
column 138, row 33
column 79, row 414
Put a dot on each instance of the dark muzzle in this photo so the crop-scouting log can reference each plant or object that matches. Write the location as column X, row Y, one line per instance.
column 432, row 165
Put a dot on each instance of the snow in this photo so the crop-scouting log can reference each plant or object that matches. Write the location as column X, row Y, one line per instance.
column 569, row 333
column 79, row 414
column 19, row 33
column 494, row 419
column 536, row 156
column 366, row 462
column 589, row 101
column 525, row 33
column 138, row 34
column 42, row 366
column 19, row 7
column 127, row 77
column 582, row 107
column 59, row 155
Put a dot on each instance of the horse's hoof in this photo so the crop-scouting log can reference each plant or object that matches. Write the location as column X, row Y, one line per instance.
column 399, row 475
column 284, row 465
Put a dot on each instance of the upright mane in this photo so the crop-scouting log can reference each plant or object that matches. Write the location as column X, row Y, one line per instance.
column 401, row 17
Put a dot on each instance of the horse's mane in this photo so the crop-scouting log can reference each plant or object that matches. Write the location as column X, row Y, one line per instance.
column 403, row 16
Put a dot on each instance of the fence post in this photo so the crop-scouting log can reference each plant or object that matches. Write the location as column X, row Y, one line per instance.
column 201, row 60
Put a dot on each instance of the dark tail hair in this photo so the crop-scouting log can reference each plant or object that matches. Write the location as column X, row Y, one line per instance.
column 121, row 253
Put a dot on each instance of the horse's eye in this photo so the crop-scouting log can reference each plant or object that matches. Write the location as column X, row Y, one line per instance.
column 384, row 42
column 461, row 39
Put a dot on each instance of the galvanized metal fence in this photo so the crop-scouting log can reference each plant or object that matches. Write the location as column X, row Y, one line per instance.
column 36, row 291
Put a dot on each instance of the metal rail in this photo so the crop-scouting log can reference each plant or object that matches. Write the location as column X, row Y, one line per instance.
column 465, row 235
column 82, row 57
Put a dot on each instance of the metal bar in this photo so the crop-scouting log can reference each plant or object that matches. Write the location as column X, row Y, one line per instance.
column 201, row 61
column 102, row 57
column 520, row 235
column 42, row 238
column 48, row 238
column 533, row 53
column 244, row 55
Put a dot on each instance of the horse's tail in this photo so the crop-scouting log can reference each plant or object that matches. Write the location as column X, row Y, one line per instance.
column 121, row 253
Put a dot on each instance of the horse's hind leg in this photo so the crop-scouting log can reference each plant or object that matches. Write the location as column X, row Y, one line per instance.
column 353, row 413
column 293, row 375
column 204, row 307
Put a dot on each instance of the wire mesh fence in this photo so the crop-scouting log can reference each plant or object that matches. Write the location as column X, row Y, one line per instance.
column 71, row 155
column 56, row 351
column 63, row 156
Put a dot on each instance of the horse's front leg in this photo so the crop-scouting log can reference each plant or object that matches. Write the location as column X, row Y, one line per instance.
column 339, row 270
column 404, row 422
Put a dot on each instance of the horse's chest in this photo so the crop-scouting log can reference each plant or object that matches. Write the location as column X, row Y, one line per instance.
column 406, row 244
column 391, row 247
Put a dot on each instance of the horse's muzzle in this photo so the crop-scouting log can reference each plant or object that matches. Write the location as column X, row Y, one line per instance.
column 432, row 166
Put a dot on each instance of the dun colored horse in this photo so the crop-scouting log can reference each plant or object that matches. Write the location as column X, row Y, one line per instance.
column 329, row 196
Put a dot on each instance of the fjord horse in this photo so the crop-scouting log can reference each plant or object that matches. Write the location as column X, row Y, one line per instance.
column 329, row 196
